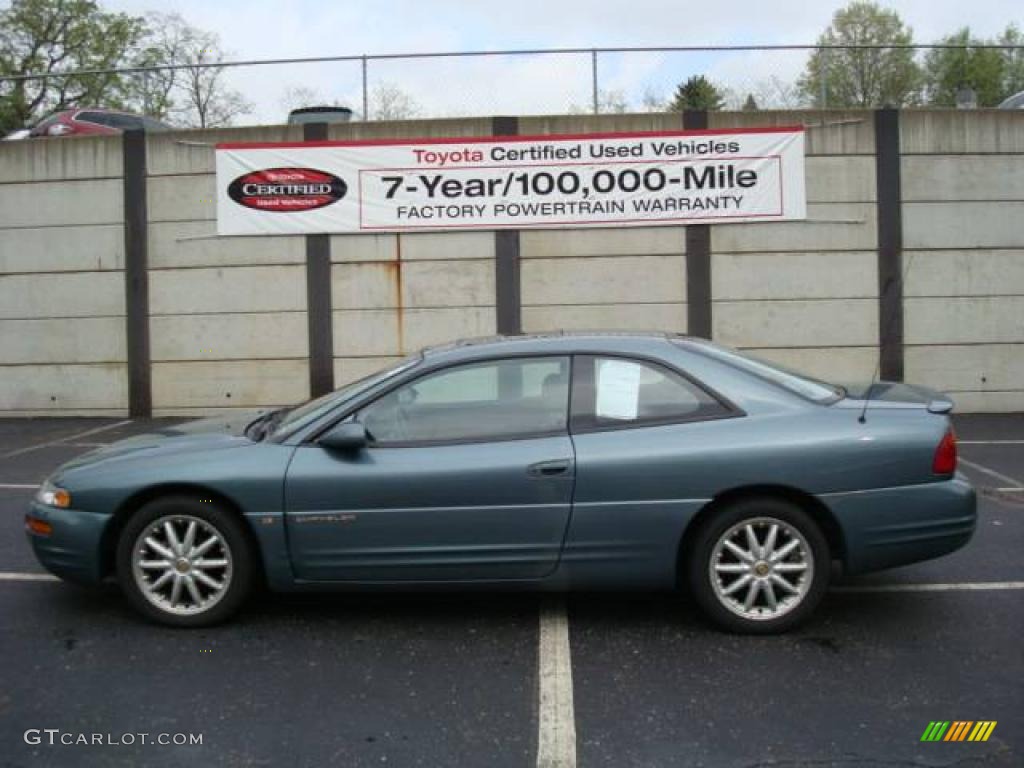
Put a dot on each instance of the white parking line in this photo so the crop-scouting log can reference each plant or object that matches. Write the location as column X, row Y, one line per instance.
column 556, row 738
column 969, row 586
column 991, row 473
column 67, row 439
column 12, row 576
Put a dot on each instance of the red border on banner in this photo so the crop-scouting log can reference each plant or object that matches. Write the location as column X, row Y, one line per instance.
column 506, row 139
column 593, row 222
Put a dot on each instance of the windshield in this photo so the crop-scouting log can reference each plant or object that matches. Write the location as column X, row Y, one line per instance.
column 301, row 415
column 798, row 383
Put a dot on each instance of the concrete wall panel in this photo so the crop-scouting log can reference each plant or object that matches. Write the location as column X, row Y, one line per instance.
column 830, row 132
column 263, row 336
column 62, row 249
column 964, row 320
column 64, row 389
column 448, row 283
column 988, row 402
column 962, row 177
column 447, row 245
column 612, row 280
column 998, row 367
column 69, row 294
column 617, row 317
column 237, row 383
column 954, row 131
column 816, row 323
column 834, row 179
column 388, row 332
column 61, row 203
column 87, row 157
column 622, row 241
column 192, row 151
column 196, row 244
column 975, row 272
column 78, row 340
column 231, row 289
column 962, row 225
column 183, row 198
column 835, row 274
column 829, row 226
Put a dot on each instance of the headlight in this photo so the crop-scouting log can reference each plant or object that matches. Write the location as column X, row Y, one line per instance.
column 52, row 496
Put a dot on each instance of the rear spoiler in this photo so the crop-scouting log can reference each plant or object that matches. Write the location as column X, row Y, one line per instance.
column 940, row 405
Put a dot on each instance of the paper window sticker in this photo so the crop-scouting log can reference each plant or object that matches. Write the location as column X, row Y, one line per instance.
column 618, row 390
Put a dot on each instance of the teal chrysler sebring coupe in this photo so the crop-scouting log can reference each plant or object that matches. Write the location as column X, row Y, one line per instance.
column 589, row 461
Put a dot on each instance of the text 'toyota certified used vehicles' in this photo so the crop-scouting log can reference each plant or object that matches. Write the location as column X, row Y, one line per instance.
column 597, row 461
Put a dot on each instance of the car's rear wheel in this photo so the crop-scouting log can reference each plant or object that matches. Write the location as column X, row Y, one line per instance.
column 184, row 562
column 759, row 566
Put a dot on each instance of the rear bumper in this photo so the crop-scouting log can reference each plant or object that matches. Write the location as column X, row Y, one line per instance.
column 73, row 550
column 887, row 527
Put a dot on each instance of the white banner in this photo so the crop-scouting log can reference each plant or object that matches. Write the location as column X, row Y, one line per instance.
column 520, row 182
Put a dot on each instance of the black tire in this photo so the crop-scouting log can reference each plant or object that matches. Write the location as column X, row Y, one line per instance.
column 234, row 548
column 761, row 513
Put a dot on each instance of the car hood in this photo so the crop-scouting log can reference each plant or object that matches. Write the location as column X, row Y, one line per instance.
column 204, row 434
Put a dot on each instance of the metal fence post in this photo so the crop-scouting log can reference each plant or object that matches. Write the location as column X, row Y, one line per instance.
column 366, row 100
column 593, row 78
column 823, row 79
column 319, row 301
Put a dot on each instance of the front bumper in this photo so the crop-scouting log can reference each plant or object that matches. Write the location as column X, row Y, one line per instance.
column 73, row 550
column 888, row 527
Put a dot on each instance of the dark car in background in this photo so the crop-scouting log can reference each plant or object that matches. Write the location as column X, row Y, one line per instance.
column 83, row 122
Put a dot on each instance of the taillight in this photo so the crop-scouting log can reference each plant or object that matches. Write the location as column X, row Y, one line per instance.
column 945, row 455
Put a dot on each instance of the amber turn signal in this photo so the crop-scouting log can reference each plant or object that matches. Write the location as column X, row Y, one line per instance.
column 38, row 527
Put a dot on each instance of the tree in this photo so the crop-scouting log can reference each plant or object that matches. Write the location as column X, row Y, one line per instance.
column 947, row 70
column 389, row 102
column 750, row 105
column 651, row 101
column 608, row 103
column 196, row 95
column 298, row 96
column 1013, row 72
column 697, row 93
column 862, row 77
column 55, row 36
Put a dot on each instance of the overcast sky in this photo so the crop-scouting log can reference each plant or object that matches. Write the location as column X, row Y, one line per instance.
column 291, row 28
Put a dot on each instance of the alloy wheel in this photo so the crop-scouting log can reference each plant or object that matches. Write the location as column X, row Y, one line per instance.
column 761, row 568
column 182, row 564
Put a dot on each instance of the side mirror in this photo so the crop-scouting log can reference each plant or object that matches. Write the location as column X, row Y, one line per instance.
column 349, row 436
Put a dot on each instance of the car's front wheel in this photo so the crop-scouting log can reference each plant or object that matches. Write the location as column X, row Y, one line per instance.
column 184, row 562
column 759, row 566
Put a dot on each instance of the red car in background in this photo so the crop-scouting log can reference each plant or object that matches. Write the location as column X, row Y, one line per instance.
column 81, row 122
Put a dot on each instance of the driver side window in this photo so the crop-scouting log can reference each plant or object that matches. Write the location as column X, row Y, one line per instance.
column 496, row 399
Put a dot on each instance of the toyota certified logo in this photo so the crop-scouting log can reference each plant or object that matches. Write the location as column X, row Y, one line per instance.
column 287, row 189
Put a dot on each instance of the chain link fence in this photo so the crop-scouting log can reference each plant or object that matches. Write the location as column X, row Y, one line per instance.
column 606, row 80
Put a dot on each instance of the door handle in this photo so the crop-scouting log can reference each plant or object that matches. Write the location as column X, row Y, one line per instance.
column 551, row 468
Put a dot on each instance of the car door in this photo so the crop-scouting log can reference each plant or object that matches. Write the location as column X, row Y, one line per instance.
column 468, row 475
column 646, row 438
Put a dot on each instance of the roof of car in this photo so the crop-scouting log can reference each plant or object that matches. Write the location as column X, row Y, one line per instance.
column 558, row 338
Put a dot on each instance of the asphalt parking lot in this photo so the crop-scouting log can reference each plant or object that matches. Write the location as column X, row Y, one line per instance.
column 484, row 679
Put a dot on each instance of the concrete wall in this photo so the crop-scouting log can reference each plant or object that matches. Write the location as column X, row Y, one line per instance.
column 62, row 326
column 228, row 318
column 963, row 217
column 805, row 293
